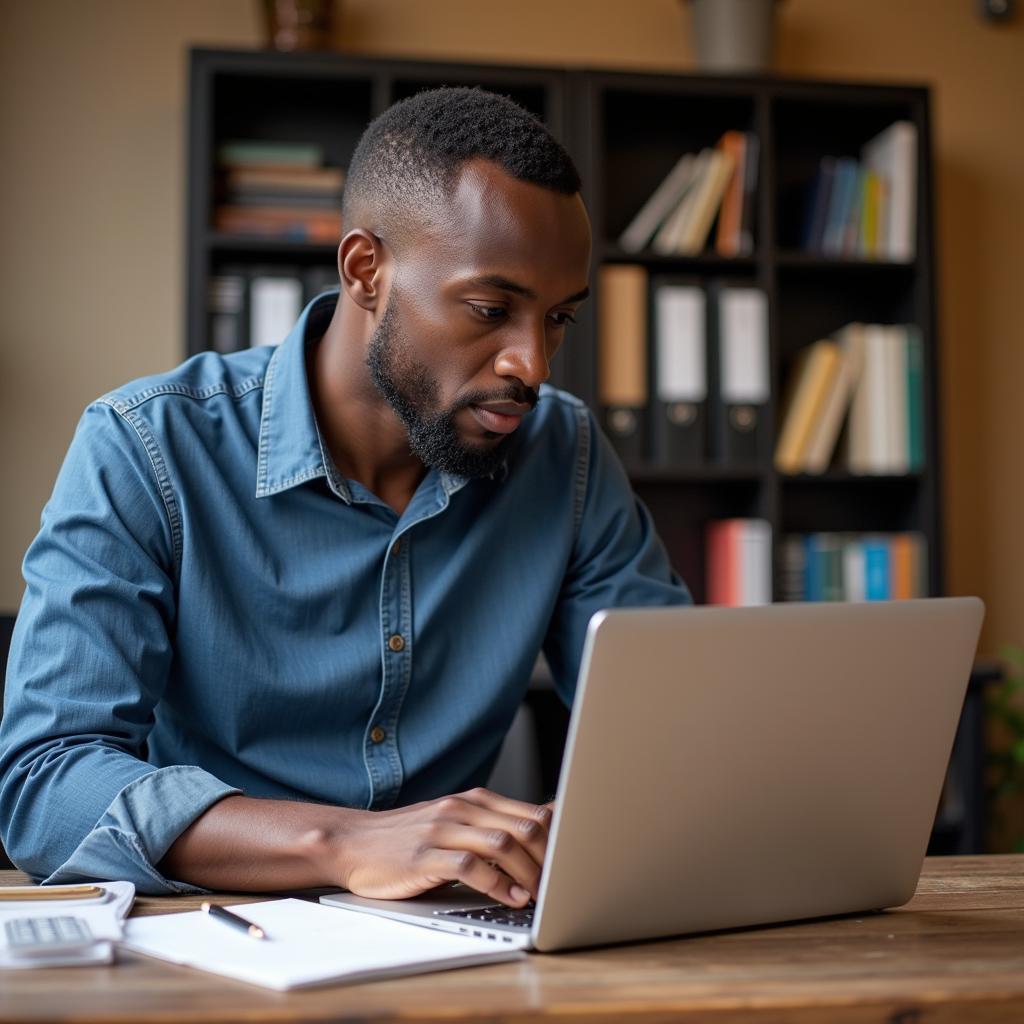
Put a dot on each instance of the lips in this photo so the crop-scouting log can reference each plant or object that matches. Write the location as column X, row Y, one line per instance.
column 499, row 417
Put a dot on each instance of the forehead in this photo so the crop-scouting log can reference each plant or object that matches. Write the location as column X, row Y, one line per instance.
column 496, row 224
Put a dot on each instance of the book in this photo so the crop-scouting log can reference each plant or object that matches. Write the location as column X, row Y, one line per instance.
column 270, row 154
column 751, row 160
column 818, row 199
column 755, row 562
column 867, row 242
column 662, row 201
column 622, row 355
column 825, row 436
column 741, row 373
column 302, row 223
column 877, row 572
column 792, row 568
column 915, row 399
column 897, row 453
column 728, row 237
column 307, row 201
column 811, row 380
column 850, row 240
column 259, row 177
column 679, row 409
column 309, row 944
column 840, row 200
column 869, row 435
column 854, row 581
column 892, row 155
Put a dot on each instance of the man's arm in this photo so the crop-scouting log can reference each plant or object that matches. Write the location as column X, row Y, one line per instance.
column 89, row 661
column 618, row 560
column 489, row 842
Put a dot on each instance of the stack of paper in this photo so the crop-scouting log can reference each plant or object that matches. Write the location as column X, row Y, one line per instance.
column 307, row 944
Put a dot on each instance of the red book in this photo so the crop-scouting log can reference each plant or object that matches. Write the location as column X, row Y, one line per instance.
column 722, row 572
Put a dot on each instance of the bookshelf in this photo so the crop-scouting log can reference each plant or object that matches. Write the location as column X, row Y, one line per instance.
column 625, row 131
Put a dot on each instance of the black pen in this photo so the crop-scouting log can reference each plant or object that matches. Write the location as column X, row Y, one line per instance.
column 229, row 917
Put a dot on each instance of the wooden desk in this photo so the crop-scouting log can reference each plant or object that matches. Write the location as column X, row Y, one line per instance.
column 954, row 954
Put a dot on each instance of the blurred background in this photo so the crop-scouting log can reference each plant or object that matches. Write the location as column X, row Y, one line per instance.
column 94, row 206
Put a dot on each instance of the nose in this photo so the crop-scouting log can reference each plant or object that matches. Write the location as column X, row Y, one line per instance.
column 525, row 357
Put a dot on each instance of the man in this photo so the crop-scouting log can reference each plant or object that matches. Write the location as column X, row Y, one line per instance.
column 284, row 604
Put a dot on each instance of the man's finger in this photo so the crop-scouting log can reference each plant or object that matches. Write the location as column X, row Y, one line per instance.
column 496, row 847
column 541, row 813
column 468, row 868
column 527, row 832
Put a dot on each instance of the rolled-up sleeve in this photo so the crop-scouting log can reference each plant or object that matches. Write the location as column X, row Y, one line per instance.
column 89, row 661
column 618, row 560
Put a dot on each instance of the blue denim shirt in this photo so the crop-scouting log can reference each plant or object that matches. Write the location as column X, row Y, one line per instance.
column 212, row 609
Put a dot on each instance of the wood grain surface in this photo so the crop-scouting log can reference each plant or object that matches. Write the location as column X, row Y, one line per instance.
column 955, row 953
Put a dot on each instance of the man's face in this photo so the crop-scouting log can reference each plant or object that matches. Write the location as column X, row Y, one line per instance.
column 478, row 306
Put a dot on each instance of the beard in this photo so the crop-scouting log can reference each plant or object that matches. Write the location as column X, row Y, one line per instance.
column 414, row 394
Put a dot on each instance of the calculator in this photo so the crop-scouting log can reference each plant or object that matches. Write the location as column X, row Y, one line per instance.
column 47, row 936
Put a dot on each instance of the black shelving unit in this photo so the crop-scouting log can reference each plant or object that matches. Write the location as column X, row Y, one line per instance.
column 625, row 131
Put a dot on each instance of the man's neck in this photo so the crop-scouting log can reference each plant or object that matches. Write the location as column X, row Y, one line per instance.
column 364, row 437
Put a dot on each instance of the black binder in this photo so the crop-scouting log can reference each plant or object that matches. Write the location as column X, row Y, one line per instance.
column 740, row 370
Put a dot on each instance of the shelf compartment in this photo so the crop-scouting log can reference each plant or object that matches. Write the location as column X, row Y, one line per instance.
column 682, row 508
column 849, row 503
column 643, row 134
column 809, row 128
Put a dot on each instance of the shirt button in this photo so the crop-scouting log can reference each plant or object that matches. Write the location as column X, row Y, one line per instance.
column 377, row 734
column 396, row 643
column 396, row 547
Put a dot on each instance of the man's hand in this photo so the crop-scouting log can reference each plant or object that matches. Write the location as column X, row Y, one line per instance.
column 489, row 842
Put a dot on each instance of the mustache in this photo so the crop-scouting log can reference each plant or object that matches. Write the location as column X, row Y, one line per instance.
column 519, row 393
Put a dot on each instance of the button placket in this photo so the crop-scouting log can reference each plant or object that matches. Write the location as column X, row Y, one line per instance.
column 381, row 749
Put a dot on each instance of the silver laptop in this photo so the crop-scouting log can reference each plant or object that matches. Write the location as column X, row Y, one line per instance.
column 734, row 767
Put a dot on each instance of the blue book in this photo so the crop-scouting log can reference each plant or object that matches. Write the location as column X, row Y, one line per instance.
column 877, row 570
column 817, row 205
column 843, row 188
column 814, row 569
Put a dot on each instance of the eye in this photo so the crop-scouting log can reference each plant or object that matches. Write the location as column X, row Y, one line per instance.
column 563, row 318
column 489, row 312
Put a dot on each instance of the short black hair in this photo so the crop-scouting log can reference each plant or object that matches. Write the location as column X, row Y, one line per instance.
column 410, row 155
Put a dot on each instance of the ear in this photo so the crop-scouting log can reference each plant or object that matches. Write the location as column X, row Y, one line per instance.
column 361, row 265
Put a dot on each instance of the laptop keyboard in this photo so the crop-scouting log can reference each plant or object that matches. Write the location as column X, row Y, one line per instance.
column 496, row 913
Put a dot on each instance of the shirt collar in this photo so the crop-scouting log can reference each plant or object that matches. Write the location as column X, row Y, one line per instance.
column 290, row 447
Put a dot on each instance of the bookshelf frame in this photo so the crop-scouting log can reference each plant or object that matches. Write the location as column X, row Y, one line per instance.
column 599, row 115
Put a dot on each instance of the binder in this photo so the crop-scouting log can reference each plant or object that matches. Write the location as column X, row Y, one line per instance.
column 228, row 309
column 275, row 302
column 740, row 331
column 679, row 409
column 622, row 356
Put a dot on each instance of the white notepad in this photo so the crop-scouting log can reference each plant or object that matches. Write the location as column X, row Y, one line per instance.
column 308, row 944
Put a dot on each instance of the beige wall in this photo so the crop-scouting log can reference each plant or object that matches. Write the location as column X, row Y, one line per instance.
column 92, row 96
